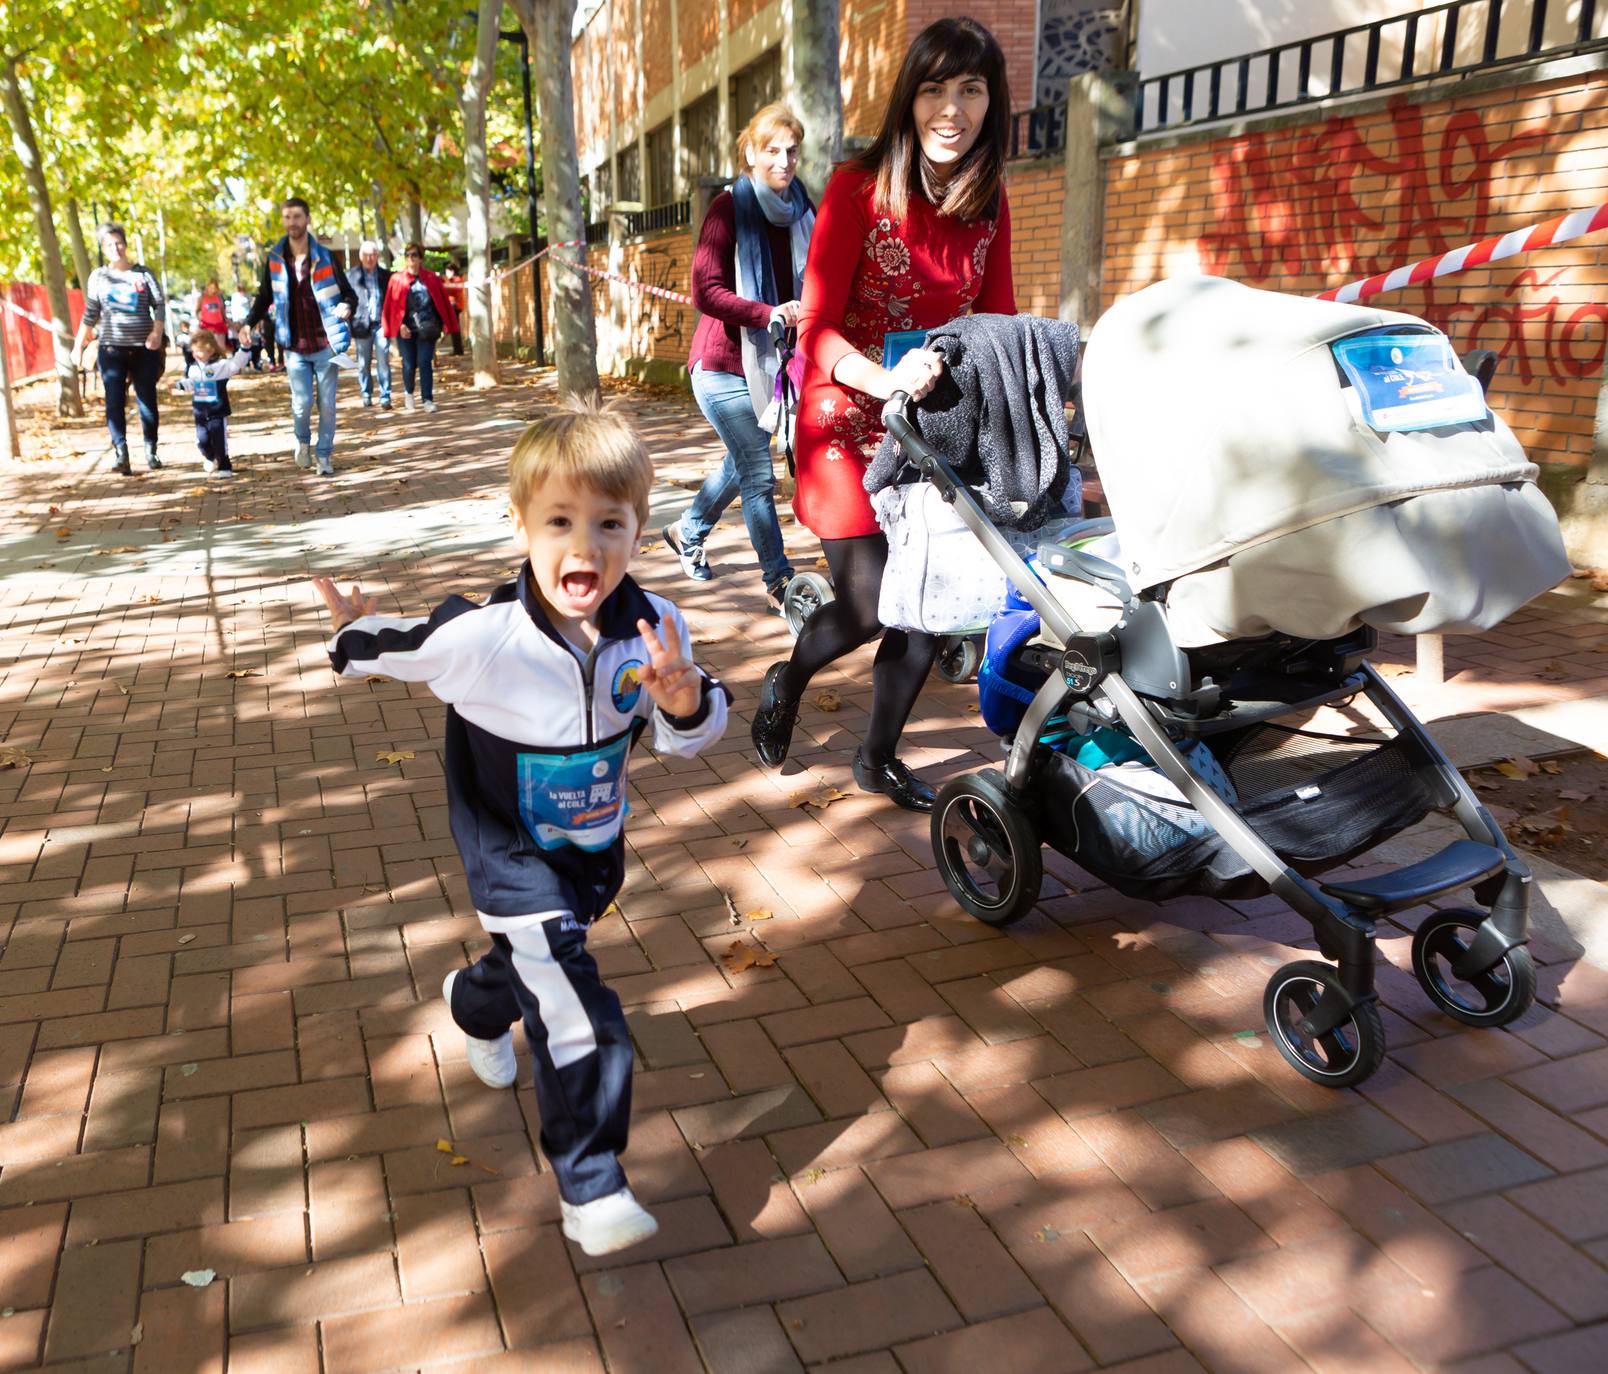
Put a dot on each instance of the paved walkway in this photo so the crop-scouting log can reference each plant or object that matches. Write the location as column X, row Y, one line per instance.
column 241, row 1137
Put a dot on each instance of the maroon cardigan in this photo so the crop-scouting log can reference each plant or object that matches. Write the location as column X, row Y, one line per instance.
column 716, row 343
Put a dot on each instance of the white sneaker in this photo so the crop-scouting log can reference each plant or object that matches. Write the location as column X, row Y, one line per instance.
column 407, row 401
column 209, row 465
column 304, row 454
column 608, row 1223
column 492, row 1060
column 326, row 468
column 430, row 406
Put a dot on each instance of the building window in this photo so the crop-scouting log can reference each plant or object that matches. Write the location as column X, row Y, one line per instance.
column 701, row 137
column 602, row 185
column 756, row 86
column 628, row 167
column 661, row 188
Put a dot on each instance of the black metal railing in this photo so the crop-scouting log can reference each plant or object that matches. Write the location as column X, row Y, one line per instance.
column 1038, row 132
column 597, row 232
column 675, row 214
column 1452, row 39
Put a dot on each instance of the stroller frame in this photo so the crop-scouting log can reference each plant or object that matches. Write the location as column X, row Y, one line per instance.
column 1323, row 1019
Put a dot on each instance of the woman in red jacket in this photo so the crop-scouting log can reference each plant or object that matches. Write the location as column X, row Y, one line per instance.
column 909, row 235
column 416, row 313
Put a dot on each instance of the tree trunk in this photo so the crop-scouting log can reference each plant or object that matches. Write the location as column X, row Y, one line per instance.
column 547, row 26
column 68, row 400
column 817, row 90
column 415, row 220
column 382, row 227
column 10, row 448
column 477, row 192
column 75, row 234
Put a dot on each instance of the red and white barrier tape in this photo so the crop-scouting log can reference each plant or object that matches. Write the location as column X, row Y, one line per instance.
column 28, row 315
column 626, row 281
column 1573, row 225
column 568, row 243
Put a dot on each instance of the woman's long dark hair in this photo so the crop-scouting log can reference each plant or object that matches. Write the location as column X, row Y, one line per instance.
column 943, row 50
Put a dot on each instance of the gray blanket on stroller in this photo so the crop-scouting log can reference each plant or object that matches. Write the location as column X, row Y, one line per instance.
column 998, row 414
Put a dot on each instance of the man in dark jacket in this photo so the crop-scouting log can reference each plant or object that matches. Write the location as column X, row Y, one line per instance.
column 312, row 302
column 369, row 281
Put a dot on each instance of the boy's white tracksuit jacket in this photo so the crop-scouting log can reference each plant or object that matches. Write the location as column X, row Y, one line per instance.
column 537, row 737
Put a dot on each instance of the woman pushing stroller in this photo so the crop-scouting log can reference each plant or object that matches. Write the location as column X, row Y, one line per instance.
column 910, row 235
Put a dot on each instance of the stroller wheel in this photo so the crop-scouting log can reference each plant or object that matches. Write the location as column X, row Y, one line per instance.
column 1338, row 1057
column 806, row 594
column 987, row 849
column 958, row 659
column 1492, row 997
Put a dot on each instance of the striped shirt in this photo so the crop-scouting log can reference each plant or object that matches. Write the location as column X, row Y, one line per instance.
column 131, row 302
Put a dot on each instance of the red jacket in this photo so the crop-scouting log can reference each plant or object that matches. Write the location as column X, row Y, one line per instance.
column 396, row 299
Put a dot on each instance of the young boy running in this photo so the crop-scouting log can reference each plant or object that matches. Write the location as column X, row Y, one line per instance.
column 206, row 382
column 547, row 685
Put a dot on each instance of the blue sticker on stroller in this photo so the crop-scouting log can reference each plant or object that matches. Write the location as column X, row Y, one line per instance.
column 1409, row 381
column 574, row 799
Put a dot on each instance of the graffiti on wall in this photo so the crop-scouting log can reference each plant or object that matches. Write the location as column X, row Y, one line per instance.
column 657, row 319
column 1324, row 199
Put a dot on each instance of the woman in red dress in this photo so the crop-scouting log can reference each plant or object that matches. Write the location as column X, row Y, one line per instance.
column 910, row 235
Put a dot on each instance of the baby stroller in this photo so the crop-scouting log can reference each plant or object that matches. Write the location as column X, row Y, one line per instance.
column 1319, row 472
column 960, row 654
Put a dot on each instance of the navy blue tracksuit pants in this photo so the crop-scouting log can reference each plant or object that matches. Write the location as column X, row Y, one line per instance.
column 212, row 434
column 542, row 974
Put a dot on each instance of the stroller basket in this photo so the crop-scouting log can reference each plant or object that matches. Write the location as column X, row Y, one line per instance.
column 1315, row 807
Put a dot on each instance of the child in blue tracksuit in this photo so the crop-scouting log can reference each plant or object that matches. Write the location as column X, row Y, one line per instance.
column 206, row 382
column 548, row 684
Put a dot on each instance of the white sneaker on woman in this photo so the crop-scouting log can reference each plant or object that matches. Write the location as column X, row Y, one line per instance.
column 607, row 1224
column 430, row 406
column 492, row 1060
column 407, row 401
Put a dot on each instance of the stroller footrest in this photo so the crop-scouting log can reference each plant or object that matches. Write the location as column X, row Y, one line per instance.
column 1460, row 864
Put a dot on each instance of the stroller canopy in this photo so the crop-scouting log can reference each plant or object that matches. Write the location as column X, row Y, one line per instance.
column 1223, row 421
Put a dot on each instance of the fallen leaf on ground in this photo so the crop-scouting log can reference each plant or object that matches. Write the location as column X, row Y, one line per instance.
column 55, row 510
column 137, row 1334
column 828, row 699
column 393, row 755
column 185, row 939
column 1599, row 584
column 242, row 672
column 12, row 757
column 198, row 1278
column 64, row 534
column 822, row 563
column 820, row 798
column 121, row 548
column 1518, row 768
column 445, row 1146
column 151, row 600
column 759, row 914
column 648, row 548
column 1573, row 794
column 740, row 956
column 1551, row 767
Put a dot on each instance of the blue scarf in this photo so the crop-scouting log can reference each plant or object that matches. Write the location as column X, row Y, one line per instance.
column 325, row 292
column 755, row 208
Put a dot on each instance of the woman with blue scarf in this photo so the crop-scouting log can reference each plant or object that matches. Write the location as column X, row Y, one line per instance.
column 748, row 270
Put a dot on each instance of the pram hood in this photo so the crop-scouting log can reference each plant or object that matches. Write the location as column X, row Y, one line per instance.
column 1221, row 422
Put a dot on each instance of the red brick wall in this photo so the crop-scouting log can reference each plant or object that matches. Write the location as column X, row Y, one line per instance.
column 622, row 56
column 1013, row 22
column 589, row 73
column 656, row 47
column 698, row 31
column 1310, row 207
column 740, row 12
column 1036, row 190
column 872, row 43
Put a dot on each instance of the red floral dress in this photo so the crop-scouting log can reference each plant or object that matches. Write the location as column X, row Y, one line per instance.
column 867, row 277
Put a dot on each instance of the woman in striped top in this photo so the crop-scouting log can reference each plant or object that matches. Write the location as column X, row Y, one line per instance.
column 123, row 304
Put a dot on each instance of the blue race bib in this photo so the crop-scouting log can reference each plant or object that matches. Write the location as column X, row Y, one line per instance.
column 205, row 391
column 574, row 799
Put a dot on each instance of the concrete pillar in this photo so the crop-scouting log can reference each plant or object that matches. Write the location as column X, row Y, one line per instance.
column 1099, row 112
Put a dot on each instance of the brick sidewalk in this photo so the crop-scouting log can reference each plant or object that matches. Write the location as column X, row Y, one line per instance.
column 913, row 1144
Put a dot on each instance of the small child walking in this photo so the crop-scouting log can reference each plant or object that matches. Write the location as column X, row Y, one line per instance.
column 548, row 684
column 206, row 382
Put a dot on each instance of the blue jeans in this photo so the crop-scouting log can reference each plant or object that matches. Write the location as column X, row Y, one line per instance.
column 418, row 353
column 304, row 370
column 377, row 348
column 746, row 470
column 118, row 367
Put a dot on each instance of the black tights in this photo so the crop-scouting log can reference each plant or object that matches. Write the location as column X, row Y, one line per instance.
column 849, row 620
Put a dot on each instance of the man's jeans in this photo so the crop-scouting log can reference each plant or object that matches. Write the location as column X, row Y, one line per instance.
column 366, row 349
column 746, row 469
column 304, row 371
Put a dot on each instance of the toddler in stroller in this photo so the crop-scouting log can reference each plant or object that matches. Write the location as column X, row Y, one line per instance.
column 1318, row 473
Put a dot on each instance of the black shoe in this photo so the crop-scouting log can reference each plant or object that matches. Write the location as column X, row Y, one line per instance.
column 121, row 466
column 151, row 460
column 772, row 730
column 894, row 781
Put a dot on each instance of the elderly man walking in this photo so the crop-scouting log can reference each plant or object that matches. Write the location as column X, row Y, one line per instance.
column 311, row 301
column 370, row 281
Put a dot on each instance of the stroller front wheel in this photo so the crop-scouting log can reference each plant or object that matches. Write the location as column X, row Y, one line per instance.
column 1492, row 996
column 987, row 849
column 1338, row 1057
column 958, row 659
column 806, row 594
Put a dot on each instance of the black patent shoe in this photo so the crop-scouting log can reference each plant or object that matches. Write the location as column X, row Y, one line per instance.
column 121, row 466
column 772, row 730
column 894, row 781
